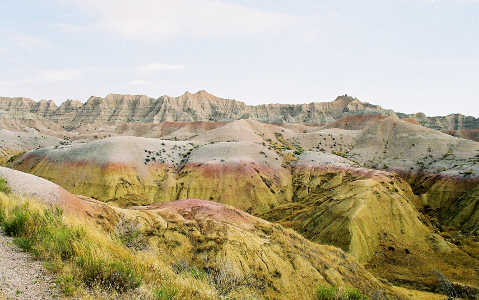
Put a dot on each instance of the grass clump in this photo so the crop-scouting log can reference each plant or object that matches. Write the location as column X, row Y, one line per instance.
column 325, row 293
column 333, row 293
column 165, row 292
column 4, row 187
column 68, row 284
column 112, row 275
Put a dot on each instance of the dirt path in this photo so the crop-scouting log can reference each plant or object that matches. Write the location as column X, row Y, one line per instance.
column 21, row 276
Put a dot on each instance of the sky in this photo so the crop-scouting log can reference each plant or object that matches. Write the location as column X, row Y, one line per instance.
column 406, row 55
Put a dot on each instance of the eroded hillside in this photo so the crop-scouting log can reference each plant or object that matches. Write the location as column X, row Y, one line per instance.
column 398, row 197
column 115, row 110
column 204, row 250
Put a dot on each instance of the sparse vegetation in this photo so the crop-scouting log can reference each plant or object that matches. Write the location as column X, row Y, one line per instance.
column 447, row 154
column 333, row 293
column 67, row 249
column 129, row 233
column 338, row 153
column 226, row 280
column 165, row 292
column 446, row 286
column 4, row 187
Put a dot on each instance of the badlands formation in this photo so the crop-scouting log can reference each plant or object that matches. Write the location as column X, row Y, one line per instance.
column 280, row 190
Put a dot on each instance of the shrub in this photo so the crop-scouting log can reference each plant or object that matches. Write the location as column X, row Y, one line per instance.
column 112, row 275
column 226, row 280
column 2, row 214
column 15, row 225
column 354, row 294
column 128, row 233
column 298, row 151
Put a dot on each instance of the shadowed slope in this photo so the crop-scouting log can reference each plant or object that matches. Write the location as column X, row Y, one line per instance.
column 352, row 208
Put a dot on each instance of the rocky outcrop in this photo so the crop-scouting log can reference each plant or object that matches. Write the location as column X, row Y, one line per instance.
column 202, row 106
column 450, row 122
column 470, row 134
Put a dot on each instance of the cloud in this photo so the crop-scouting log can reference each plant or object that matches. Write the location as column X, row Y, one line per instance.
column 48, row 76
column 141, row 83
column 441, row 63
column 25, row 40
column 52, row 75
column 156, row 20
column 59, row 75
column 4, row 50
column 157, row 67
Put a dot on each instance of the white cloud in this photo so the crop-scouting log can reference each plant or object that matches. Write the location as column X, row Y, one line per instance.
column 165, row 19
column 48, row 76
column 441, row 63
column 59, row 75
column 4, row 50
column 157, row 67
column 25, row 40
column 141, row 83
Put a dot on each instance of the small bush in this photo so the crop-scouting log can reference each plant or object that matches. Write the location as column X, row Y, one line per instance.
column 226, row 280
column 298, row 151
column 165, row 292
column 15, row 225
column 24, row 242
column 128, row 232
column 197, row 274
column 112, row 275
column 2, row 214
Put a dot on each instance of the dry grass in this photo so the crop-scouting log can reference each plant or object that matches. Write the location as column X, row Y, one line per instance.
column 90, row 263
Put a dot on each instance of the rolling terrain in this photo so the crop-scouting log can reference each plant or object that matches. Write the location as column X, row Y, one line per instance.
column 399, row 197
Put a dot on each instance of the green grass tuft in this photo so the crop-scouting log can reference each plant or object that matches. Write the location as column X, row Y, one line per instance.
column 333, row 293
column 325, row 293
column 4, row 187
column 165, row 292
